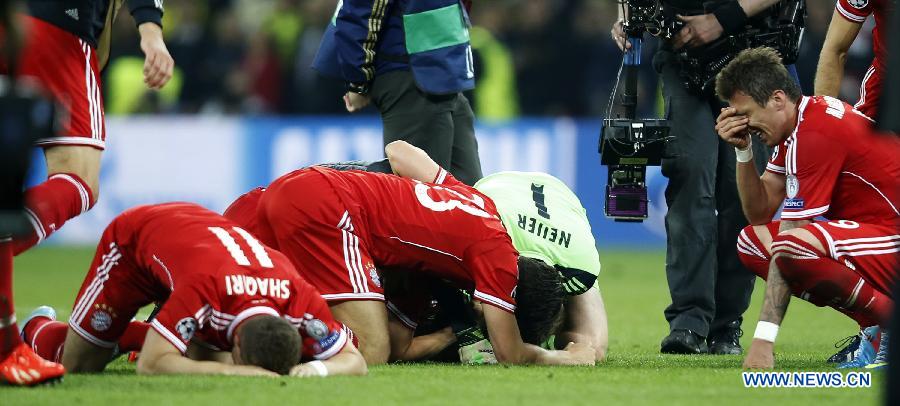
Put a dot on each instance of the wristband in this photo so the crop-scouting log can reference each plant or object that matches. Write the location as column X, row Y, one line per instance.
column 731, row 17
column 766, row 331
column 319, row 366
column 744, row 155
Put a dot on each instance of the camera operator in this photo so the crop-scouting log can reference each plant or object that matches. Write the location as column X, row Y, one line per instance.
column 710, row 289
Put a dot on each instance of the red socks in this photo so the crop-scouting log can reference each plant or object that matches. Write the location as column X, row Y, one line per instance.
column 826, row 282
column 133, row 337
column 9, row 333
column 47, row 337
column 49, row 205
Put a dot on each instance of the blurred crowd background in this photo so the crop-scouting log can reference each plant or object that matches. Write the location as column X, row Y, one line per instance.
column 533, row 58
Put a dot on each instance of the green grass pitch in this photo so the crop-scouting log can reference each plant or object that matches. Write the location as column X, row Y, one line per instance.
column 634, row 289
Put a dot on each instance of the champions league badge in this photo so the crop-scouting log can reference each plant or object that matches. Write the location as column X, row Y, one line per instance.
column 858, row 3
column 186, row 328
column 101, row 320
column 316, row 329
column 792, row 186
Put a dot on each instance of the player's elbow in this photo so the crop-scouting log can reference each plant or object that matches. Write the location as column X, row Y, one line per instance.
column 395, row 151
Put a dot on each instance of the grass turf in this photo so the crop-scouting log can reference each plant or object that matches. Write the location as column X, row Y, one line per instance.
column 634, row 289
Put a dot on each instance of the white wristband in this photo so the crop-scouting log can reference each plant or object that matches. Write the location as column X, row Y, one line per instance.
column 744, row 155
column 766, row 331
column 319, row 366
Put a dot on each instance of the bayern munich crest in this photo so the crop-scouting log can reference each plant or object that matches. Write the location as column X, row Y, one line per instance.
column 186, row 328
column 792, row 186
column 101, row 320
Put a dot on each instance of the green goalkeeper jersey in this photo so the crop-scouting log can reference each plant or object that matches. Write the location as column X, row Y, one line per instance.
column 546, row 221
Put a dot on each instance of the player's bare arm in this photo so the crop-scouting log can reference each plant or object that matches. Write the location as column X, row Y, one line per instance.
column 411, row 162
column 586, row 323
column 778, row 295
column 510, row 349
column 158, row 64
column 406, row 347
column 841, row 34
column 761, row 196
column 346, row 362
column 159, row 357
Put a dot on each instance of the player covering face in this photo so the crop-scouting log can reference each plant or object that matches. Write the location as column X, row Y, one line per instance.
column 828, row 162
column 231, row 305
column 345, row 230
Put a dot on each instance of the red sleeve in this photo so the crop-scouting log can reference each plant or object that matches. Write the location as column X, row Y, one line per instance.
column 323, row 337
column 776, row 161
column 183, row 314
column 495, row 269
column 813, row 163
column 854, row 10
column 445, row 178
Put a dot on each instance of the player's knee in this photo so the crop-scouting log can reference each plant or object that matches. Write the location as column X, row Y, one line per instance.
column 752, row 251
column 81, row 356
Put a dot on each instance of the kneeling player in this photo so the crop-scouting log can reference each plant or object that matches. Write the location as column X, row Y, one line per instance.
column 350, row 228
column 828, row 162
column 231, row 305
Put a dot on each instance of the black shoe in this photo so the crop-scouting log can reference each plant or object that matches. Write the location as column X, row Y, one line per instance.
column 681, row 341
column 727, row 341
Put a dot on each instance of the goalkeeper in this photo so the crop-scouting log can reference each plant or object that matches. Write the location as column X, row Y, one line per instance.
column 546, row 221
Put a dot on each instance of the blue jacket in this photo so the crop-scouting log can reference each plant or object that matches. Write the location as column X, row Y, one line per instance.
column 367, row 38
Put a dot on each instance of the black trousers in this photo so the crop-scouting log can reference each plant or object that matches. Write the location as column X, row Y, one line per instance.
column 708, row 284
column 443, row 126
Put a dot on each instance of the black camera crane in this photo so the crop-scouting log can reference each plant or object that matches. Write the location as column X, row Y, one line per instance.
column 628, row 145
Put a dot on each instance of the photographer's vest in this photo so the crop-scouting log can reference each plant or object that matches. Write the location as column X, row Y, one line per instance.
column 435, row 46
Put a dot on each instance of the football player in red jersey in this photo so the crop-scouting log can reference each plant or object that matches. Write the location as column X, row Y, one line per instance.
column 65, row 47
column 827, row 163
column 846, row 21
column 231, row 305
column 345, row 230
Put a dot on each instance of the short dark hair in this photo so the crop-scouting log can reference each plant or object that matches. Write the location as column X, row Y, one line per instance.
column 758, row 72
column 539, row 300
column 270, row 342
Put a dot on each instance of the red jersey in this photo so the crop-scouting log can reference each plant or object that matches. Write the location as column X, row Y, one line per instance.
column 858, row 11
column 837, row 167
column 213, row 275
column 444, row 228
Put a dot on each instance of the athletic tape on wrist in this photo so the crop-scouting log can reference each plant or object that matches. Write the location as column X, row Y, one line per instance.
column 766, row 331
column 744, row 155
column 319, row 366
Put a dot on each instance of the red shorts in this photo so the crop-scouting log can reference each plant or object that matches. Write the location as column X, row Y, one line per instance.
column 113, row 291
column 303, row 217
column 869, row 92
column 66, row 68
column 871, row 250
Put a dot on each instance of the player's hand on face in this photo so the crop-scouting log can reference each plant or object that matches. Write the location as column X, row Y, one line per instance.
column 618, row 35
column 158, row 64
column 698, row 30
column 733, row 128
column 355, row 102
column 760, row 355
column 582, row 354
